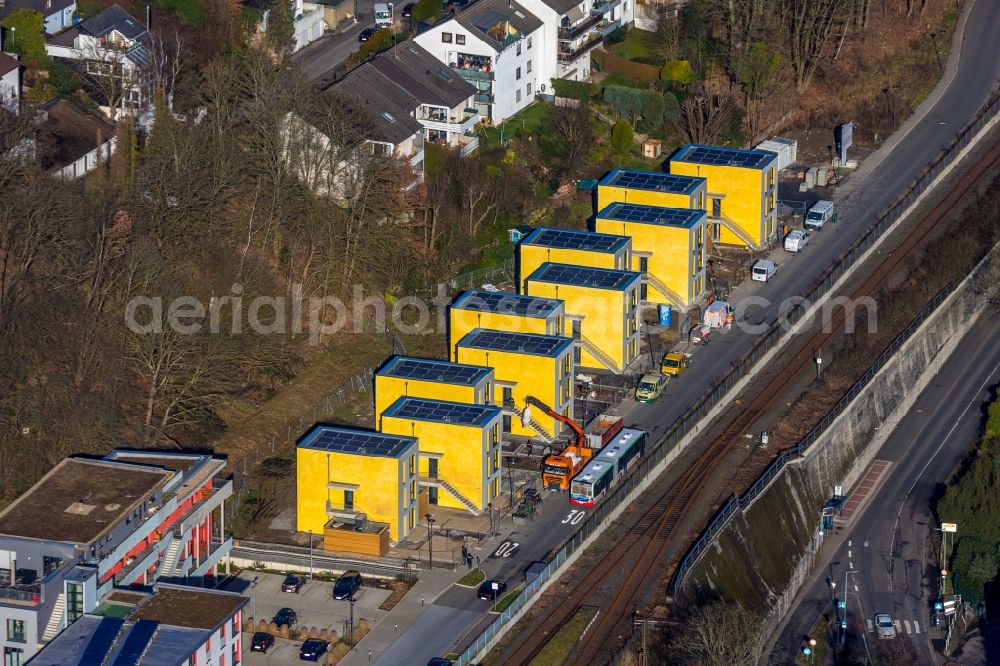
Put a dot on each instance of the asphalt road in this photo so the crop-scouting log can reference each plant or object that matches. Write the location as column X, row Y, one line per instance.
column 886, row 542
column 330, row 51
column 859, row 201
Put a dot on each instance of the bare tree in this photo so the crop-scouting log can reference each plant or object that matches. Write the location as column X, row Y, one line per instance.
column 719, row 634
column 166, row 56
column 704, row 116
column 575, row 127
column 810, row 24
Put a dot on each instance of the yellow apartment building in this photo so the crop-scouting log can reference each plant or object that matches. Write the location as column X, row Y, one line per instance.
column 602, row 311
column 459, row 448
column 431, row 378
column 525, row 364
column 651, row 188
column 342, row 472
column 742, row 190
column 571, row 246
column 503, row 311
column 668, row 249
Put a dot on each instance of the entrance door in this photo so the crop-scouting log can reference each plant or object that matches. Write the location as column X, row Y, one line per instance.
column 432, row 494
column 432, row 467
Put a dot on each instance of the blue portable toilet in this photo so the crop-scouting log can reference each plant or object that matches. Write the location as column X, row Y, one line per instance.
column 666, row 314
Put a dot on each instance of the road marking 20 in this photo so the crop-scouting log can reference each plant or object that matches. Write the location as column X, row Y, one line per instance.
column 574, row 517
column 506, row 549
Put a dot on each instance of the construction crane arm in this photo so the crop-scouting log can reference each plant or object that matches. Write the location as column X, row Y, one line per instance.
column 532, row 401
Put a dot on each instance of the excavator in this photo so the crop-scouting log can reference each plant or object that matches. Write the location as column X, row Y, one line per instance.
column 558, row 469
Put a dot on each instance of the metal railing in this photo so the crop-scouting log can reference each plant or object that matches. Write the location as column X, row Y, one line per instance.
column 614, row 504
column 300, row 558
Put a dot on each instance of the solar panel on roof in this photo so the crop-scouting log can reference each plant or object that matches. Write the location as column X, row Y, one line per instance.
column 583, row 276
column 435, row 371
column 442, row 412
column 652, row 180
column 356, row 441
column 101, row 640
column 525, row 343
column 500, row 302
column 716, row 156
column 573, row 239
column 652, row 214
column 136, row 642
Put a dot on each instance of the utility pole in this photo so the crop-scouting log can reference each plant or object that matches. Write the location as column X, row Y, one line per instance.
column 843, row 604
column 430, row 541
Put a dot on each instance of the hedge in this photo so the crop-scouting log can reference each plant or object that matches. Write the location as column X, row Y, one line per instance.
column 637, row 71
column 574, row 89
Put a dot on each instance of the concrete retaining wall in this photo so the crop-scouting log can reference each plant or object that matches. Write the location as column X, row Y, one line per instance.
column 755, row 557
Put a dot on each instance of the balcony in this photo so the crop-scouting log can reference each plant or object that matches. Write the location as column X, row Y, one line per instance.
column 568, row 34
column 469, row 142
column 443, row 122
column 573, row 56
column 606, row 6
column 483, row 98
column 22, row 595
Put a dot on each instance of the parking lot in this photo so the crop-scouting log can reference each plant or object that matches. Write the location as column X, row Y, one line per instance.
column 314, row 605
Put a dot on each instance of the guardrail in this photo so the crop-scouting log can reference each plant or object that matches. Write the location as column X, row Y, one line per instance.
column 299, row 557
column 740, row 369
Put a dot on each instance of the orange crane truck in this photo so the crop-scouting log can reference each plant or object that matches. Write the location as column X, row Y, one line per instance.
column 558, row 469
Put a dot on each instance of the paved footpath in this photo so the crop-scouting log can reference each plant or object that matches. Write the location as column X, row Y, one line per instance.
column 865, row 489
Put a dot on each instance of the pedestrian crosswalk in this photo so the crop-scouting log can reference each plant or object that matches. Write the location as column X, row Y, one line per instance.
column 910, row 627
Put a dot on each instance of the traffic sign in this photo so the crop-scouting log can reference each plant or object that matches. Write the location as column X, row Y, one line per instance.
column 949, row 527
column 841, row 603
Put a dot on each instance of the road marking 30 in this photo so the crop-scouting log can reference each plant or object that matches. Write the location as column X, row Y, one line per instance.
column 573, row 517
column 506, row 549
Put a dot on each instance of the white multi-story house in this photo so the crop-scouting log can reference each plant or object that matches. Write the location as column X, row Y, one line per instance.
column 499, row 47
column 10, row 83
column 89, row 527
column 307, row 21
column 574, row 28
column 56, row 14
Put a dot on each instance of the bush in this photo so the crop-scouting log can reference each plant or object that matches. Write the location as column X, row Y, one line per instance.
column 616, row 37
column 677, row 70
column 574, row 89
column 622, row 137
column 63, row 78
column 424, row 10
column 380, row 41
column 26, row 34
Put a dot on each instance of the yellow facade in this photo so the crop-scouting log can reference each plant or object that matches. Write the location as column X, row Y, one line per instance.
column 570, row 246
column 745, row 195
column 602, row 310
column 651, row 189
column 431, row 378
column 455, row 455
column 503, row 311
column 381, row 483
column 547, row 374
column 668, row 248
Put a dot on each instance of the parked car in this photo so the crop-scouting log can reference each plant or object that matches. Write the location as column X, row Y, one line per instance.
column 261, row 642
column 650, row 387
column 347, row 585
column 796, row 240
column 313, row 649
column 819, row 214
column 292, row 583
column 440, row 661
column 763, row 270
column 367, row 34
column 285, row 617
column 673, row 363
column 885, row 626
column 489, row 592
column 408, row 9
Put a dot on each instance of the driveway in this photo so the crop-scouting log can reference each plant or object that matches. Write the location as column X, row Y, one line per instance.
column 330, row 51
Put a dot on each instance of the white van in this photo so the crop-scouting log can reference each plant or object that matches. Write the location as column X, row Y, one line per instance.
column 763, row 270
column 383, row 14
column 819, row 214
column 796, row 240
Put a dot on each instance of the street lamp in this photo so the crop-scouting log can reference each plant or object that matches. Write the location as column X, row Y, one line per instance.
column 253, row 601
column 489, row 506
column 430, row 540
column 833, row 591
column 937, row 54
column 350, row 639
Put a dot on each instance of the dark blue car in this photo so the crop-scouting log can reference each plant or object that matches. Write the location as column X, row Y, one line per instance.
column 313, row 649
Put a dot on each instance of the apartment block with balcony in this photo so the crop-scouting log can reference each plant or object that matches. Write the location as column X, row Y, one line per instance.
column 498, row 47
column 572, row 246
column 742, row 191
column 459, row 449
column 173, row 626
column 573, row 29
column 503, row 311
column 602, row 311
column 668, row 249
column 415, row 377
column 91, row 526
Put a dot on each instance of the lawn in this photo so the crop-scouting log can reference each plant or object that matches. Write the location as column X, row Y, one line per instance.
column 555, row 651
column 473, row 578
column 527, row 121
column 638, row 44
column 504, row 603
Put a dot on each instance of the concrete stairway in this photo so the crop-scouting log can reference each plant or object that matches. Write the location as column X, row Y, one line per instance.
column 657, row 284
column 55, row 623
column 542, row 433
column 169, row 562
column 466, row 502
column 741, row 233
column 597, row 353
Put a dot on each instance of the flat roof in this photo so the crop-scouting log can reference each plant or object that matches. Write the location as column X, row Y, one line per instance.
column 182, row 462
column 502, row 302
column 655, row 181
column 79, row 499
column 194, row 608
column 442, row 411
column 337, row 439
column 434, row 370
column 696, row 153
column 668, row 217
column 583, row 276
column 518, row 343
column 574, row 239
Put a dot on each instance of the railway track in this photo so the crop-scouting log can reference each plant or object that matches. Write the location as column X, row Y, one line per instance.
column 646, row 540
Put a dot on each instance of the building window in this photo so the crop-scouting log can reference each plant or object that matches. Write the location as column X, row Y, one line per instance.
column 517, row 94
column 413, row 465
column 527, row 90
column 459, row 39
column 12, row 656
column 48, row 4
column 236, row 653
column 529, row 67
column 519, row 48
column 446, row 37
column 529, row 42
column 74, row 602
column 50, row 564
column 15, row 631
column 348, row 499
column 413, row 517
column 517, row 73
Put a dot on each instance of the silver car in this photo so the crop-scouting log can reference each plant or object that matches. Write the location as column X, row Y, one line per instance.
column 885, row 626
